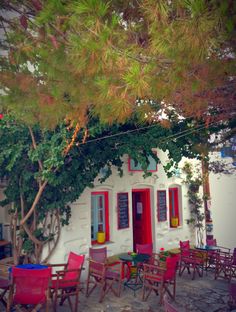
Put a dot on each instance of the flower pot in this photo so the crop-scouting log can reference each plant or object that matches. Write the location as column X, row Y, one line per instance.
column 101, row 237
column 174, row 221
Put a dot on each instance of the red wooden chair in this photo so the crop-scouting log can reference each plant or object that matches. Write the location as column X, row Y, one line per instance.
column 107, row 277
column 101, row 273
column 213, row 242
column 224, row 265
column 160, row 278
column 190, row 259
column 29, row 289
column 66, row 282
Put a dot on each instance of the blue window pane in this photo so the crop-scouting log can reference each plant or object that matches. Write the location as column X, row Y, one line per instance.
column 151, row 167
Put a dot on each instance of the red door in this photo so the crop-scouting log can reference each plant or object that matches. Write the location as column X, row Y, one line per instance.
column 142, row 226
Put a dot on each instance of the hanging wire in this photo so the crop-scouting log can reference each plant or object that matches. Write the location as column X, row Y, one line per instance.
column 173, row 136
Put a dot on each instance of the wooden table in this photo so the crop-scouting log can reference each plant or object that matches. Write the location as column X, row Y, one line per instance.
column 208, row 253
column 134, row 280
column 4, row 243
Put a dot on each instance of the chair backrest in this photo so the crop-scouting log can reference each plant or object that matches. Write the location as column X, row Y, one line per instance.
column 168, row 306
column 30, row 286
column 144, row 249
column 98, row 254
column 97, row 269
column 211, row 242
column 171, row 267
column 75, row 262
column 184, row 247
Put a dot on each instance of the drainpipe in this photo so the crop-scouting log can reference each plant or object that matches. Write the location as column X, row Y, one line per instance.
column 206, row 199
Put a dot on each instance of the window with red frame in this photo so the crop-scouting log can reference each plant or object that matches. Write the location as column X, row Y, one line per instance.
column 174, row 206
column 152, row 167
column 99, row 215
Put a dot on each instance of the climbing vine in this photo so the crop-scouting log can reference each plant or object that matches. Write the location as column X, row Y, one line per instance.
column 194, row 180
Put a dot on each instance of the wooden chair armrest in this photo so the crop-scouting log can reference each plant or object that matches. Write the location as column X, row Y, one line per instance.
column 115, row 267
column 154, row 267
column 62, row 272
column 57, row 264
column 105, row 262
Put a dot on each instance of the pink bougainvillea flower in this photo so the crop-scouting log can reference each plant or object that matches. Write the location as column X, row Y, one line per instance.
column 162, row 249
column 1, row 116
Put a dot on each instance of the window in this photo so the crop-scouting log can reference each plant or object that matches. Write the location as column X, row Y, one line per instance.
column 152, row 167
column 174, row 207
column 99, row 215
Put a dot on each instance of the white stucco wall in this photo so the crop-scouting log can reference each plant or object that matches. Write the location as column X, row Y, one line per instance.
column 77, row 237
column 223, row 206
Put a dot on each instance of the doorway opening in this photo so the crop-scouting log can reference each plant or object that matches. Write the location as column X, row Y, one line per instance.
column 142, row 224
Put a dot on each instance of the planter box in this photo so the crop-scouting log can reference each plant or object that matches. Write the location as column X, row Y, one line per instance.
column 174, row 222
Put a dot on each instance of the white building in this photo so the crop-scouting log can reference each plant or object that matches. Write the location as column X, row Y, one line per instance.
column 130, row 210
column 134, row 209
column 223, row 205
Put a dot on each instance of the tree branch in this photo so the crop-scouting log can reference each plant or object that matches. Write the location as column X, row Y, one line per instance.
column 35, row 146
column 37, row 197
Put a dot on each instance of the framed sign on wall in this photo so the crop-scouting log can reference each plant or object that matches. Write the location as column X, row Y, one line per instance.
column 161, row 206
column 123, row 210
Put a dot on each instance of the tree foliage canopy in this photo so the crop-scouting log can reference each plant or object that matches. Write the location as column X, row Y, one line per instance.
column 42, row 181
column 65, row 58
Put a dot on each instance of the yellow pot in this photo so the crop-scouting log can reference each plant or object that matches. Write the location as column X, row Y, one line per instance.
column 174, row 222
column 101, row 237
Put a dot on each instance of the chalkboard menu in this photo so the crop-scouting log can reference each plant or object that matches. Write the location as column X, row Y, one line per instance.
column 123, row 210
column 161, row 206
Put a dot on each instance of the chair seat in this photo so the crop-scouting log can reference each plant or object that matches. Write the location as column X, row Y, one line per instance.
column 30, row 300
column 112, row 274
column 62, row 284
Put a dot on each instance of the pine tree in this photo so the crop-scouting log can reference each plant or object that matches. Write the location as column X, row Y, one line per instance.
column 65, row 58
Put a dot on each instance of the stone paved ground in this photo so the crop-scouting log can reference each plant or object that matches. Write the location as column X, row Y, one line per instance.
column 201, row 295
